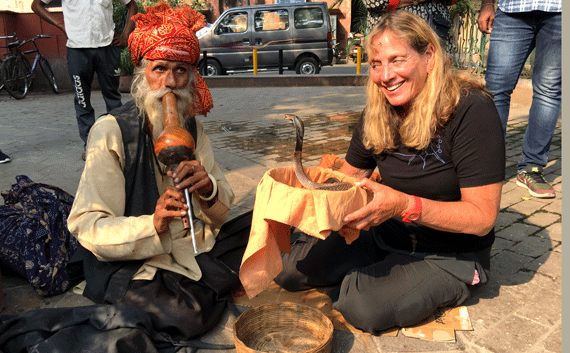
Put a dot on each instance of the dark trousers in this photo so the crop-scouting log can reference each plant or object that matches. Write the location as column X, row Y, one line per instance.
column 376, row 290
column 82, row 64
column 183, row 308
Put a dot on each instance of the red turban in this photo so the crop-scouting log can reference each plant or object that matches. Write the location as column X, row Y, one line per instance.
column 170, row 34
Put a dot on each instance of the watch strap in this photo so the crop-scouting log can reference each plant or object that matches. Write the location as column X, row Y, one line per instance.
column 415, row 212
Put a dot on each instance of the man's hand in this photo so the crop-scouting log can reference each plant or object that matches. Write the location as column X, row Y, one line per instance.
column 169, row 205
column 385, row 204
column 120, row 40
column 193, row 176
column 486, row 17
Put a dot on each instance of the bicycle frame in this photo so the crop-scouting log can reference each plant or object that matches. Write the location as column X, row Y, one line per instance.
column 19, row 73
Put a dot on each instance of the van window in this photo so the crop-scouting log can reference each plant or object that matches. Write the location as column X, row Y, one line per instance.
column 271, row 20
column 235, row 22
column 309, row 17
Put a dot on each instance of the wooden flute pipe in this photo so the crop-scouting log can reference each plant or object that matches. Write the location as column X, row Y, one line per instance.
column 174, row 145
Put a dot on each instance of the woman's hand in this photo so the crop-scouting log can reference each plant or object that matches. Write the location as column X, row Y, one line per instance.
column 385, row 204
column 193, row 176
column 169, row 205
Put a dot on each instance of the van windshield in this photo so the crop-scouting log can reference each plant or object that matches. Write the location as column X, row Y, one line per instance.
column 235, row 22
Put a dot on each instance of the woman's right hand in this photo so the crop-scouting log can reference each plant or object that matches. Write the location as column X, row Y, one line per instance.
column 171, row 204
column 385, row 204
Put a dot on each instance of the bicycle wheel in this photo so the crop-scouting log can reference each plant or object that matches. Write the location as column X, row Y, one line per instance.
column 48, row 73
column 16, row 79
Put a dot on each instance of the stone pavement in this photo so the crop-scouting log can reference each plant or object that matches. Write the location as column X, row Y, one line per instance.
column 518, row 311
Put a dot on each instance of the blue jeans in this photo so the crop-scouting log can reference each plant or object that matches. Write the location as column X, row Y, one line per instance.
column 513, row 38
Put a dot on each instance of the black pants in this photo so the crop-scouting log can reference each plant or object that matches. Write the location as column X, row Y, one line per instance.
column 376, row 290
column 82, row 64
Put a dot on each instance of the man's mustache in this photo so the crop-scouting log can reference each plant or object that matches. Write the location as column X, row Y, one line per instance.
column 179, row 93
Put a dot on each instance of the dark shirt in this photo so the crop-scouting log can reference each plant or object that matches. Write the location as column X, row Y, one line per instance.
column 468, row 152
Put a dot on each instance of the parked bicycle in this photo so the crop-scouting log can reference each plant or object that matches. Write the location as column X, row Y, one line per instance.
column 6, row 47
column 16, row 71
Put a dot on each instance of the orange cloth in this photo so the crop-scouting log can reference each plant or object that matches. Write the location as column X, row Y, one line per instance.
column 281, row 202
column 170, row 34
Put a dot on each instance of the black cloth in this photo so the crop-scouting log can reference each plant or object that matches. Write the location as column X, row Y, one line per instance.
column 468, row 152
column 92, row 328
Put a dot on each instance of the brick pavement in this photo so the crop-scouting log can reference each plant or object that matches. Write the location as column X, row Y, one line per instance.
column 518, row 311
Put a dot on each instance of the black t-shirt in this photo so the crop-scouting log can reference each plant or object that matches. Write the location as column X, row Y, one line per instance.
column 469, row 151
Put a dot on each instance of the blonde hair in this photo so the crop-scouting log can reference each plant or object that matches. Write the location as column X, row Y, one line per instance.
column 431, row 109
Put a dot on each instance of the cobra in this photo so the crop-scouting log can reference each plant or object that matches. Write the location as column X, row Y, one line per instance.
column 330, row 184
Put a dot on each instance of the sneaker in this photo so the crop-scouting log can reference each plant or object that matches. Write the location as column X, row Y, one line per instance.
column 532, row 179
column 4, row 158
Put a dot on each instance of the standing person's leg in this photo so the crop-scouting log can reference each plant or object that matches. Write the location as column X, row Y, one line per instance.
column 80, row 68
column 545, row 109
column 399, row 291
column 546, row 99
column 108, row 66
column 512, row 41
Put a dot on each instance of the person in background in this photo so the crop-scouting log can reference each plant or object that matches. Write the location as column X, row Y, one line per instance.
column 93, row 46
column 517, row 28
column 425, row 237
column 435, row 12
column 127, row 213
column 4, row 158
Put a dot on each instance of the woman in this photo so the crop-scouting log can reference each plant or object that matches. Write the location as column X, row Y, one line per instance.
column 436, row 139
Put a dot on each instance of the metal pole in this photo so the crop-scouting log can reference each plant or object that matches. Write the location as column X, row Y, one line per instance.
column 358, row 59
column 205, row 63
column 280, row 61
column 255, row 61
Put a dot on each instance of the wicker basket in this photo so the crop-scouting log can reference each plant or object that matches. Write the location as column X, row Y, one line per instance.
column 283, row 327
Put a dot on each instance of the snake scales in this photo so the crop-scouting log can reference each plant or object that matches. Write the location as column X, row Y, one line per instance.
column 330, row 184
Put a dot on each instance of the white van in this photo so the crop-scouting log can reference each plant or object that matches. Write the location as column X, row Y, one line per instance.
column 302, row 31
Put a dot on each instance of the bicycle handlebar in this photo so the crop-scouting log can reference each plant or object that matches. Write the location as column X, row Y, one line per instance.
column 9, row 37
column 33, row 39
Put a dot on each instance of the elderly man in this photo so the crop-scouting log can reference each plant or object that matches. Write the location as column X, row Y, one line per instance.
column 128, row 208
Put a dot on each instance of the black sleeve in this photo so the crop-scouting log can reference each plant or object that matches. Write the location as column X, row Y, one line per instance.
column 357, row 155
column 478, row 149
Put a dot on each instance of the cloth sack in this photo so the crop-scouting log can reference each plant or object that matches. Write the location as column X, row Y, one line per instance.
column 34, row 239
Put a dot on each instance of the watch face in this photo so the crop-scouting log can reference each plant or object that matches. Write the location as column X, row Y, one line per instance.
column 414, row 216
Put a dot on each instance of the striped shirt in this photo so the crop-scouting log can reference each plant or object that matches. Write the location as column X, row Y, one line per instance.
column 530, row 5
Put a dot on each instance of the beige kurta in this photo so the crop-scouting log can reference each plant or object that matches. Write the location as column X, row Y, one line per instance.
column 97, row 217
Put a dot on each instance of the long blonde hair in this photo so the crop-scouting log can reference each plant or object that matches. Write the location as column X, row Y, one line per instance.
column 431, row 109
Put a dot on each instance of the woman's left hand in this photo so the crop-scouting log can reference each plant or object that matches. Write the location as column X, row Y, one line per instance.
column 385, row 204
column 193, row 176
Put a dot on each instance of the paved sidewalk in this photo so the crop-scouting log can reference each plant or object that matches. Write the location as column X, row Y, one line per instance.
column 519, row 311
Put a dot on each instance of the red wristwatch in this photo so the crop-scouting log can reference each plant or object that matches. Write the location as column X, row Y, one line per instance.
column 415, row 212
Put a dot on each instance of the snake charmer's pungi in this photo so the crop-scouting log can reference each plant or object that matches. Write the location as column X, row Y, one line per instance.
column 128, row 208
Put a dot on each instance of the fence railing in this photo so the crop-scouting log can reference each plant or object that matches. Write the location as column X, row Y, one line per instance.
column 470, row 45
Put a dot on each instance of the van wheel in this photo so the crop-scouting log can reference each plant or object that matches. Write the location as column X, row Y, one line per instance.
column 213, row 68
column 307, row 66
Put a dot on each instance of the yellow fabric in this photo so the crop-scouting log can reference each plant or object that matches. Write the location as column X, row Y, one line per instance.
column 281, row 202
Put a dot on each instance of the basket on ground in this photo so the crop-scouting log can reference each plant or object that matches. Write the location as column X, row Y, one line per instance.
column 283, row 327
